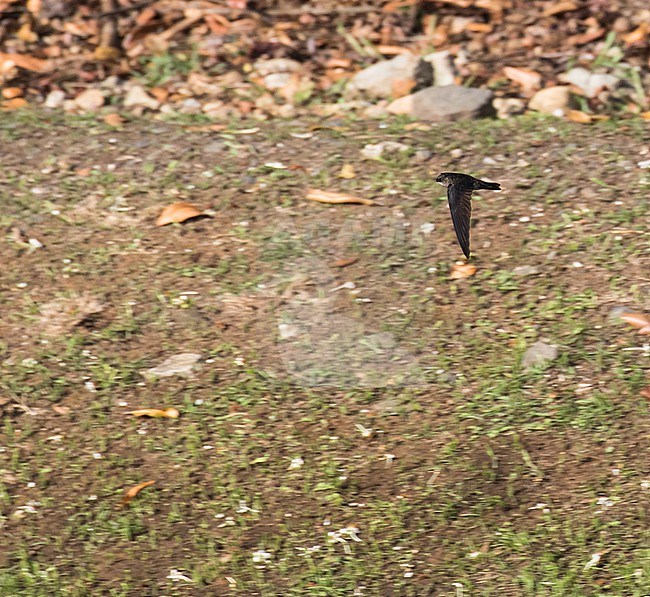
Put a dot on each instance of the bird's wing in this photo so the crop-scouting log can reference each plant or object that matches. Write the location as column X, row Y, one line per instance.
column 460, row 205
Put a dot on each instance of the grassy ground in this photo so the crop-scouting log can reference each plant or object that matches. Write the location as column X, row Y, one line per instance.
column 377, row 439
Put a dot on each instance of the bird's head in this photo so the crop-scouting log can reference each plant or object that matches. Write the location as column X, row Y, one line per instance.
column 444, row 179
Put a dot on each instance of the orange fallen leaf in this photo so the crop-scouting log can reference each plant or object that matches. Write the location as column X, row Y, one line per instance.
column 578, row 116
column 106, row 53
column 529, row 79
column 560, row 7
column 168, row 413
column 34, row 6
column 638, row 35
column 133, row 491
column 25, row 33
column 344, row 262
column 584, row 38
column 387, row 50
column 113, row 119
column 402, row 87
column 14, row 104
column 479, row 27
column 332, row 197
column 177, row 213
column 637, row 320
column 645, row 392
column 395, row 5
column 462, row 270
column 24, row 61
column 645, row 115
column 11, row 92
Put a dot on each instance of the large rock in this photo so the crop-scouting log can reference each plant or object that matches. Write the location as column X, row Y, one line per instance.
column 539, row 353
column 552, row 100
column 450, row 102
column 381, row 79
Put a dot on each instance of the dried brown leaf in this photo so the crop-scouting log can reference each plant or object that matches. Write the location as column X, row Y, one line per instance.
column 24, row 61
column 336, row 198
column 395, row 5
column 560, row 7
column 638, row 35
column 34, row 6
column 11, row 92
column 177, row 213
column 578, row 116
column 402, row 87
column 584, row 38
column 14, row 104
column 26, row 34
column 645, row 392
column 133, row 491
column 462, row 270
column 529, row 79
column 113, row 119
column 344, row 262
column 388, row 50
column 157, row 413
column 637, row 320
column 106, row 53
column 479, row 27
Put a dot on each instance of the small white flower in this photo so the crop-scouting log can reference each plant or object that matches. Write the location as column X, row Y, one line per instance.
column 260, row 556
column 365, row 431
column 594, row 560
column 296, row 463
column 243, row 508
column 176, row 575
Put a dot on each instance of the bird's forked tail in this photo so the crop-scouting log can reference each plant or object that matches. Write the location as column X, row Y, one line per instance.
column 490, row 186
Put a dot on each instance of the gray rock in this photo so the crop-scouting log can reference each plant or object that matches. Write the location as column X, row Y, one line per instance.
column 444, row 103
column 525, row 270
column 274, row 81
column 377, row 80
column 374, row 152
column 590, row 83
column 214, row 147
column 614, row 315
column 537, row 354
column 180, row 364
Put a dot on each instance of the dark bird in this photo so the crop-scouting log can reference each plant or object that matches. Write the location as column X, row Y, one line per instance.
column 459, row 194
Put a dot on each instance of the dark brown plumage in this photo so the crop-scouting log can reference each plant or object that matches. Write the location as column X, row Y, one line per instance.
column 459, row 194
